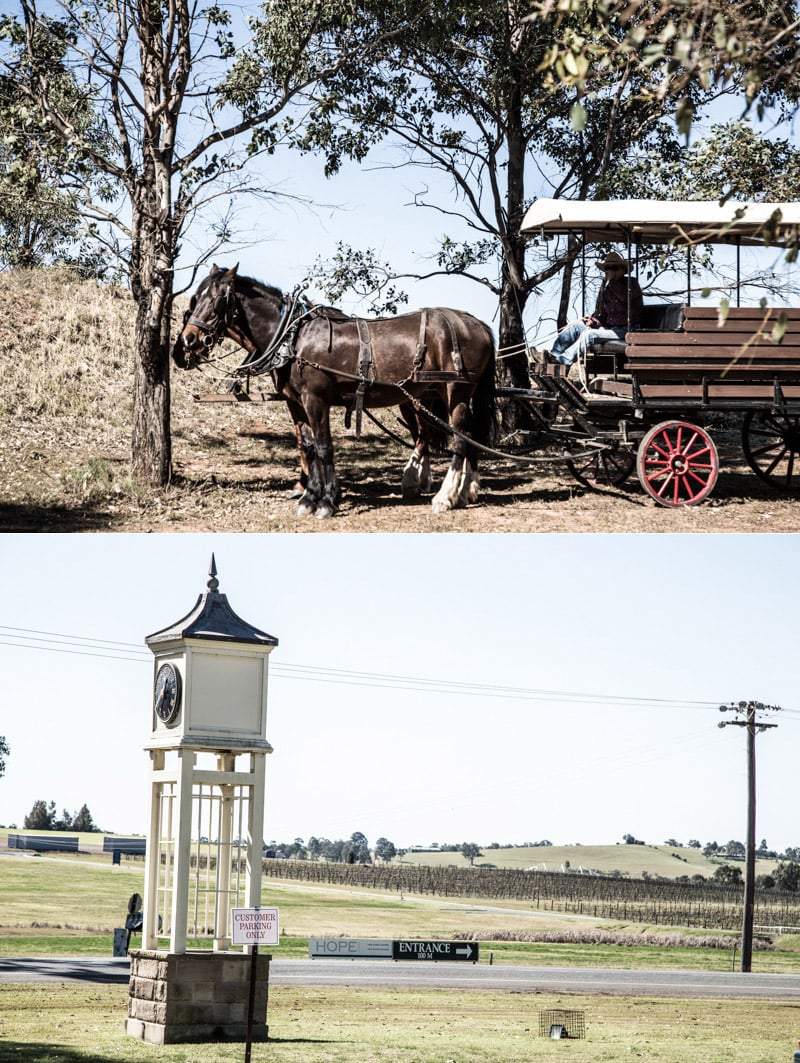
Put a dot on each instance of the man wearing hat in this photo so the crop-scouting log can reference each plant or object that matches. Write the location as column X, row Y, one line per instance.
column 619, row 310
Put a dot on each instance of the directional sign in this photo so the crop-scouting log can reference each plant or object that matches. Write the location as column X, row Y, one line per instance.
column 363, row 949
column 254, row 926
column 349, row 948
column 435, row 950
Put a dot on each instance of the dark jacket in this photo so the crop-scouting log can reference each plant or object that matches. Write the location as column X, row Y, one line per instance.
column 612, row 304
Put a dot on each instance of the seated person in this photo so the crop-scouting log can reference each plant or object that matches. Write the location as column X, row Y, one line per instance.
column 610, row 319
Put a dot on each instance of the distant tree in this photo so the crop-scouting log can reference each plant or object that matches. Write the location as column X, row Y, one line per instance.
column 693, row 843
column 65, row 823
column 470, row 851
column 314, row 848
column 385, row 850
column 671, row 841
column 787, row 876
column 792, row 854
column 727, row 875
column 734, row 848
column 4, row 752
column 333, row 851
column 83, row 821
column 41, row 817
column 710, row 849
column 359, row 847
column 629, row 839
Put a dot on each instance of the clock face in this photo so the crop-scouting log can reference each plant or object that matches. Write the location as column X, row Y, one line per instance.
column 167, row 694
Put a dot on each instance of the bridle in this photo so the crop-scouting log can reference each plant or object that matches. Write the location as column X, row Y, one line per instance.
column 225, row 313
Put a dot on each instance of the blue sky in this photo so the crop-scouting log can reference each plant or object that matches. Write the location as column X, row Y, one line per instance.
column 621, row 648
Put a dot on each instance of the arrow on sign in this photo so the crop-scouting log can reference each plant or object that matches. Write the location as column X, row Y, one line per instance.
column 465, row 952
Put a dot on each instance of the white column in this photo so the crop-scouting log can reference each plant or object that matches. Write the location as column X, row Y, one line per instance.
column 152, row 861
column 183, row 849
column 222, row 907
column 255, row 829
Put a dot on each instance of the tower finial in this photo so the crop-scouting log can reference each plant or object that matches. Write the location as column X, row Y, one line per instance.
column 213, row 582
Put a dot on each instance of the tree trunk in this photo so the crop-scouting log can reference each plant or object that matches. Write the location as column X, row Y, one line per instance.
column 151, row 446
column 513, row 358
column 152, row 258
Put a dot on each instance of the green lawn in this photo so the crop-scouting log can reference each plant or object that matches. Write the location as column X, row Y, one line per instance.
column 85, row 1024
column 52, row 906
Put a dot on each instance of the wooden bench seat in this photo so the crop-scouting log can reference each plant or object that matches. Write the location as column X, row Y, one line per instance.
column 706, row 353
column 717, row 390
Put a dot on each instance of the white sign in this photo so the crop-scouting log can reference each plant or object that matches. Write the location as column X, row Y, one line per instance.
column 255, row 926
column 348, row 947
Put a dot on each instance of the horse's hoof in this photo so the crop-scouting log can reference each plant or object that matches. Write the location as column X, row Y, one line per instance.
column 441, row 505
column 325, row 509
column 306, row 508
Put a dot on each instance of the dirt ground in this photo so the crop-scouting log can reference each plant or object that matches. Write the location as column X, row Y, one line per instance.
column 235, row 464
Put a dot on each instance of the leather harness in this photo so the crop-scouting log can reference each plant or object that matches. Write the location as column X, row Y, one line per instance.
column 366, row 361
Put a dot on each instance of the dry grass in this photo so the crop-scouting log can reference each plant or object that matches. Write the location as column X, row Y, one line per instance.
column 85, row 1024
column 65, row 401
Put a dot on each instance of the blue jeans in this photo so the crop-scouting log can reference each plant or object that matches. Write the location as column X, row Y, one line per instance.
column 578, row 338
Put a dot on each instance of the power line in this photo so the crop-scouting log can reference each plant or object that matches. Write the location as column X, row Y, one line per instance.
column 58, row 642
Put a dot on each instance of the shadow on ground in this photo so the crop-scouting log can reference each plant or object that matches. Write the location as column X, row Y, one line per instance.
column 27, row 517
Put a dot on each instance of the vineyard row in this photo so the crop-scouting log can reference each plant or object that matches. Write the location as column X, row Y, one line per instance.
column 658, row 903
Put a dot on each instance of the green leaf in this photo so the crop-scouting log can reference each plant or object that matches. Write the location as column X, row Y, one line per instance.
column 577, row 117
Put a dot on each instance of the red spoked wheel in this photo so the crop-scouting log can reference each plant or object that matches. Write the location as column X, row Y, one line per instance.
column 677, row 463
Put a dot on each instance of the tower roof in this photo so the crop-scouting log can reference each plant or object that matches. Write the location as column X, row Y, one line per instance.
column 212, row 618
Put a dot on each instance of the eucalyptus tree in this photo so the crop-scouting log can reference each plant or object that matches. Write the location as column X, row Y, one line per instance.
column 40, row 219
column 679, row 45
column 469, row 91
column 175, row 130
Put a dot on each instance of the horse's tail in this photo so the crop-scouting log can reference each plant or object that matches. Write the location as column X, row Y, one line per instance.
column 483, row 420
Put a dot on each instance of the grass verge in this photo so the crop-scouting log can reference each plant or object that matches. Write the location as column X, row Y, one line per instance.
column 80, row 1024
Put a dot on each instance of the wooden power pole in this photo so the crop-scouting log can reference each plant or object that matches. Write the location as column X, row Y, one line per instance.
column 748, row 716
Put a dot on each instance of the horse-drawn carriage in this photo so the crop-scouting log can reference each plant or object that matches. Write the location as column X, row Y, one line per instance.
column 645, row 402
column 641, row 403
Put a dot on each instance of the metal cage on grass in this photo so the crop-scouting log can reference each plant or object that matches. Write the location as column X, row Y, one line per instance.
column 557, row 1023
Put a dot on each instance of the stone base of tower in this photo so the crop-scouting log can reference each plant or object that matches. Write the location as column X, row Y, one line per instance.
column 195, row 997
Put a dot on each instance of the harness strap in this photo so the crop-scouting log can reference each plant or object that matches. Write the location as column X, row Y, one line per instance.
column 365, row 369
column 419, row 357
column 458, row 361
column 441, row 375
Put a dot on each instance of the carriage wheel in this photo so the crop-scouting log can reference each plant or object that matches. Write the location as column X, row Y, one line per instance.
column 771, row 444
column 677, row 463
column 603, row 468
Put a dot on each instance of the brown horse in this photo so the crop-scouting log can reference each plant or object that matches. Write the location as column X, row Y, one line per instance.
column 320, row 357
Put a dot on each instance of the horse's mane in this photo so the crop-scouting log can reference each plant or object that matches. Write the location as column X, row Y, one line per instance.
column 251, row 286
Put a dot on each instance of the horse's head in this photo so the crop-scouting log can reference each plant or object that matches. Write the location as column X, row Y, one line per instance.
column 207, row 321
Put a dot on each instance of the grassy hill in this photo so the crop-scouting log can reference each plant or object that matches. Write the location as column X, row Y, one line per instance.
column 632, row 861
column 635, row 861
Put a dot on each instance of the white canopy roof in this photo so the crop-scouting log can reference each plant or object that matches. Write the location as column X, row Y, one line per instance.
column 657, row 221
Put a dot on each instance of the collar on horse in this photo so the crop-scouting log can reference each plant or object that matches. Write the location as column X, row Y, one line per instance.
column 281, row 349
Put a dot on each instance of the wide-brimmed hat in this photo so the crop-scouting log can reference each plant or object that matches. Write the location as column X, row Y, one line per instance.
column 613, row 259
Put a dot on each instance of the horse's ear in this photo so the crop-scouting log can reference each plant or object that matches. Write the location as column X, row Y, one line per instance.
column 215, row 269
column 232, row 271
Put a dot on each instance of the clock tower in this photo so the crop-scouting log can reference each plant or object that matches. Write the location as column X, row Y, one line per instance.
column 208, row 749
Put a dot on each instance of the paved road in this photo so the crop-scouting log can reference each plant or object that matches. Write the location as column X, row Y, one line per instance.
column 424, row 975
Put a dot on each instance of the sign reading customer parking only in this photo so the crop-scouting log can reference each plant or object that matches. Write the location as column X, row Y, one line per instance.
column 254, row 926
